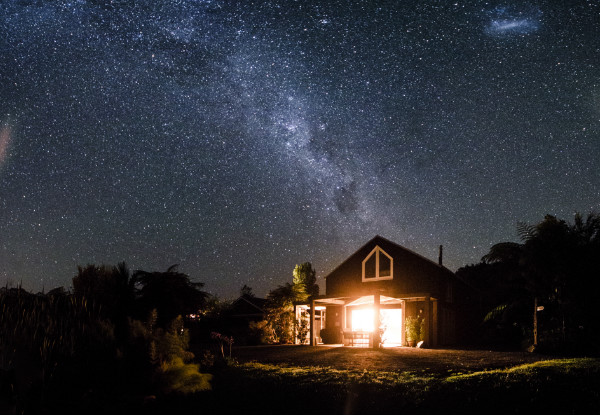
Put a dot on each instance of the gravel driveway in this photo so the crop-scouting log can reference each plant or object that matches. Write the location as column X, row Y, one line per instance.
column 387, row 359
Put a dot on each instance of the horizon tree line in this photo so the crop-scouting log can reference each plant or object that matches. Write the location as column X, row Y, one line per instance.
column 543, row 290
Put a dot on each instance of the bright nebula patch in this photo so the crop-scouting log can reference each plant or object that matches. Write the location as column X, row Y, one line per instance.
column 506, row 21
column 522, row 26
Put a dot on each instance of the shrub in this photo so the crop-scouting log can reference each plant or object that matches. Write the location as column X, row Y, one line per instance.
column 168, row 357
column 176, row 376
column 54, row 342
column 331, row 336
column 261, row 331
column 222, row 340
column 302, row 329
column 414, row 329
column 206, row 359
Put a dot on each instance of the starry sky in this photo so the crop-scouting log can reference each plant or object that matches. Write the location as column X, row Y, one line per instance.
column 239, row 138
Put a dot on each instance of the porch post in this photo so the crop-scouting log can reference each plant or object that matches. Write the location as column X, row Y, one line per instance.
column 376, row 321
column 434, row 324
column 403, row 334
column 535, row 324
column 427, row 317
column 295, row 323
column 312, row 323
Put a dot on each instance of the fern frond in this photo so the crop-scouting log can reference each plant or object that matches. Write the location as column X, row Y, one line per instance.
column 496, row 312
column 525, row 231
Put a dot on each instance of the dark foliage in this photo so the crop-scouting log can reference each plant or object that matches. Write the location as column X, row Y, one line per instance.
column 304, row 282
column 171, row 293
column 59, row 354
column 51, row 345
column 331, row 335
column 556, row 265
column 86, row 352
column 279, row 322
column 110, row 289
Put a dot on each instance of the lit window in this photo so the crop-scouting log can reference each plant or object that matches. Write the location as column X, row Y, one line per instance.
column 378, row 265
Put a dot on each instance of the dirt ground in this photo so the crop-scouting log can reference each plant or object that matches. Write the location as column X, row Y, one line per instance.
column 386, row 359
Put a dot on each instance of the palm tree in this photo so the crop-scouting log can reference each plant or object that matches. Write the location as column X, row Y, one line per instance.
column 555, row 266
column 504, row 263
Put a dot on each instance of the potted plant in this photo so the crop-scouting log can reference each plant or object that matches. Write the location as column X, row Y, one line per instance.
column 413, row 330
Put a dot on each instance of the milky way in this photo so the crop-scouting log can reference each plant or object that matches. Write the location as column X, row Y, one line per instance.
column 239, row 139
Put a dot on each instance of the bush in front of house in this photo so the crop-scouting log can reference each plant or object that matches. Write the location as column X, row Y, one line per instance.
column 331, row 336
column 166, row 354
column 415, row 329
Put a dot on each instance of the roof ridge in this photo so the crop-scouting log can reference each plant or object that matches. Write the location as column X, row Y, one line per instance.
column 395, row 244
column 413, row 252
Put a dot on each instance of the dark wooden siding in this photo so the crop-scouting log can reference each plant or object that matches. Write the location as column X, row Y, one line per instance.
column 412, row 274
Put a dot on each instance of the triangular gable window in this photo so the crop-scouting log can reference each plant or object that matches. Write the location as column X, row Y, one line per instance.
column 378, row 265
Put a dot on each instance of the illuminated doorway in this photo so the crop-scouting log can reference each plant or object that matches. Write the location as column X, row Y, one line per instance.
column 362, row 319
column 391, row 323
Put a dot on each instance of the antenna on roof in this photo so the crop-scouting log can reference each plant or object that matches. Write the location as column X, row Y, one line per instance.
column 440, row 257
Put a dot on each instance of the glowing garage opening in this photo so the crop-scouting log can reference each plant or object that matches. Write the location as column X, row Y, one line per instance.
column 391, row 323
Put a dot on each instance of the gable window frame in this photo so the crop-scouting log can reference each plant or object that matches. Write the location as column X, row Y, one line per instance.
column 377, row 251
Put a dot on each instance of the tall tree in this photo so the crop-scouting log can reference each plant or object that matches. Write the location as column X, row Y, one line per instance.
column 109, row 288
column 280, row 313
column 171, row 293
column 304, row 282
column 246, row 291
column 555, row 266
column 280, row 301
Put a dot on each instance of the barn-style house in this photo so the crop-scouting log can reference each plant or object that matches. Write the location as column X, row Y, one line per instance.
column 381, row 286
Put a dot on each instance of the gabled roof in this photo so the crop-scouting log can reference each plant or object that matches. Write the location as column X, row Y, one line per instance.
column 375, row 241
column 247, row 304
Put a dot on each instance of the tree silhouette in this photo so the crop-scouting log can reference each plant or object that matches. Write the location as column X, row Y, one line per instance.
column 246, row 291
column 280, row 312
column 304, row 282
column 280, row 301
column 110, row 289
column 171, row 293
column 555, row 266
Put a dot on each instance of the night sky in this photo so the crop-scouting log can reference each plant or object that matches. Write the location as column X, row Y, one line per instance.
column 239, row 138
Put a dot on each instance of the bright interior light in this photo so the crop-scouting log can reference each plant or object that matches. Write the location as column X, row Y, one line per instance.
column 362, row 320
column 391, row 319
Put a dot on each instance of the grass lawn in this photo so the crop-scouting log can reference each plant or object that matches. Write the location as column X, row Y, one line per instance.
column 566, row 385
column 544, row 386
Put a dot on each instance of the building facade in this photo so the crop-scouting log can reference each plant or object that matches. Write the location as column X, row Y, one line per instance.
column 384, row 285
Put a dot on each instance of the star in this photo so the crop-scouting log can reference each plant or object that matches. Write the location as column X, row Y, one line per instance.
column 239, row 139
